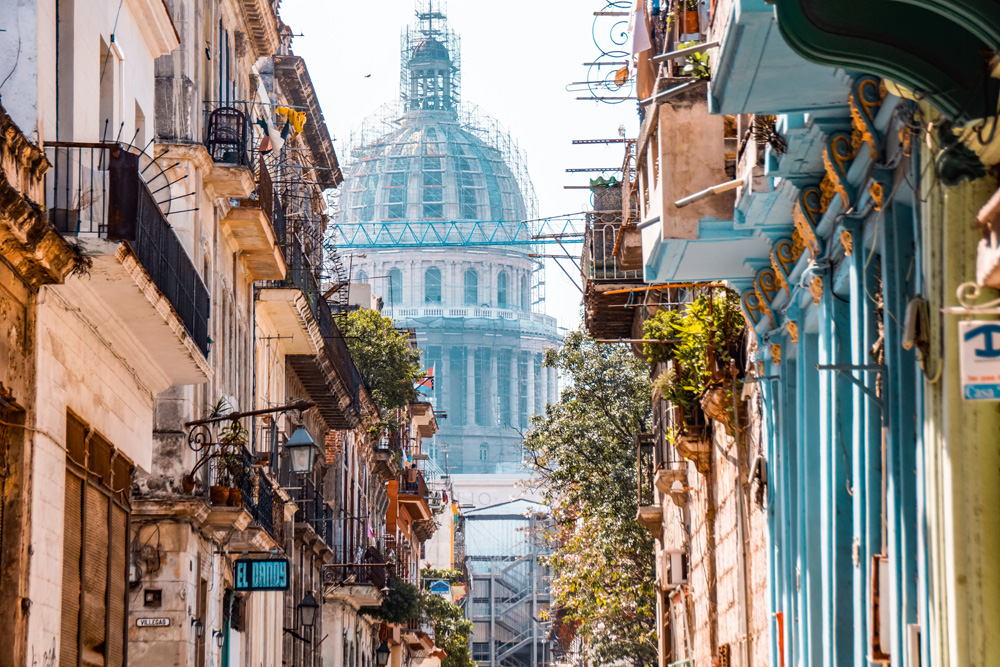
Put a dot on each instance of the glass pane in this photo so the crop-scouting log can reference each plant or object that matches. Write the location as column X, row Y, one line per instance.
column 433, row 210
column 433, row 194
column 432, row 285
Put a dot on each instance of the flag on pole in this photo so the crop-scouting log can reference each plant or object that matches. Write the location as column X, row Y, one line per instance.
column 426, row 383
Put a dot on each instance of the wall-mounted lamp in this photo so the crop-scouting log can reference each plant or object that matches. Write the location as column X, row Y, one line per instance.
column 307, row 610
column 220, row 638
column 301, row 450
column 199, row 627
column 382, row 654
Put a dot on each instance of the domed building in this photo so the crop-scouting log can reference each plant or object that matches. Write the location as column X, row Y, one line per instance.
column 437, row 188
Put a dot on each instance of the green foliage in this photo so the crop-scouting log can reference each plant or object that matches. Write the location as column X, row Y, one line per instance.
column 429, row 574
column 711, row 324
column 697, row 63
column 451, row 629
column 402, row 604
column 583, row 452
column 601, row 182
column 383, row 357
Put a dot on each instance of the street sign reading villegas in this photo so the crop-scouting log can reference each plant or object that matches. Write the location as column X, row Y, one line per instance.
column 260, row 575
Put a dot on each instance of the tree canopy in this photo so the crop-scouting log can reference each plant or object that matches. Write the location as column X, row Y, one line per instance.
column 385, row 360
column 583, row 452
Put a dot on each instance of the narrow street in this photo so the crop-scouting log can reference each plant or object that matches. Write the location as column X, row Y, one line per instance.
column 617, row 333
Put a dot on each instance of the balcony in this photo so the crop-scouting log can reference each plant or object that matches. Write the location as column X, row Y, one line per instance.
column 314, row 346
column 412, row 495
column 359, row 583
column 607, row 281
column 314, row 513
column 249, row 221
column 141, row 276
column 683, row 151
column 229, row 140
column 649, row 512
column 423, row 418
column 755, row 71
column 388, row 457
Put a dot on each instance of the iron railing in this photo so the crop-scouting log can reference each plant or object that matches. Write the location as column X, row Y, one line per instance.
column 599, row 261
column 313, row 509
column 228, row 134
column 234, row 468
column 96, row 190
column 414, row 488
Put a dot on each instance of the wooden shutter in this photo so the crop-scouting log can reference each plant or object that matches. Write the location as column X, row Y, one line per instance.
column 117, row 587
column 95, row 578
column 72, row 542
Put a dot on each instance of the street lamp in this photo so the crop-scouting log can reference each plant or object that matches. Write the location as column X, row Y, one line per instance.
column 307, row 610
column 301, row 450
column 382, row 654
column 220, row 638
column 199, row 627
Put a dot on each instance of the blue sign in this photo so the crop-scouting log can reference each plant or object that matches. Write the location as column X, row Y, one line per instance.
column 260, row 575
column 440, row 587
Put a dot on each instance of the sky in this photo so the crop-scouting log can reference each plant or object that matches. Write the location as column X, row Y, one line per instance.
column 517, row 58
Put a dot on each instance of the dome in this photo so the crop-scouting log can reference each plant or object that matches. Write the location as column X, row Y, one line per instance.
column 430, row 170
column 429, row 49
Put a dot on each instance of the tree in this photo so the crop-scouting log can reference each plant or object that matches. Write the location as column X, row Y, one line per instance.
column 583, row 452
column 384, row 358
column 451, row 630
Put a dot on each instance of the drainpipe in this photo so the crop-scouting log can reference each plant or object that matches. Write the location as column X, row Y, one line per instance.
column 741, row 510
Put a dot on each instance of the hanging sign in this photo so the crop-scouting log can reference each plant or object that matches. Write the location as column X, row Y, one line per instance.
column 260, row 575
column 979, row 357
column 440, row 587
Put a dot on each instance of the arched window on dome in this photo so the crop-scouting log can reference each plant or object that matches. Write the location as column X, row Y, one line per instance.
column 525, row 293
column 395, row 286
column 432, row 285
column 502, row 296
column 362, row 278
column 471, row 287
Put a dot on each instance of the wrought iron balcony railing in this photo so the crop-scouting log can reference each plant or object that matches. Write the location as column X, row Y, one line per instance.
column 228, row 135
column 313, row 509
column 96, row 190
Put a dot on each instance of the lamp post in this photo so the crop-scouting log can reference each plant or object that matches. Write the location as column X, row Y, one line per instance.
column 382, row 654
column 301, row 450
column 307, row 610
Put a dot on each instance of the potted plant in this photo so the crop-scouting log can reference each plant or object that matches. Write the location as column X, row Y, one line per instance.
column 691, row 24
column 236, row 472
column 219, row 492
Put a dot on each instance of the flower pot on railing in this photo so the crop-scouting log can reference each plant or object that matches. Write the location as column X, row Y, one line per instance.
column 235, row 497
column 691, row 23
column 188, row 484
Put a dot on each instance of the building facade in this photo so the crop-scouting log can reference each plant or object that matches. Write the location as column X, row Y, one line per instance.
column 821, row 177
column 429, row 196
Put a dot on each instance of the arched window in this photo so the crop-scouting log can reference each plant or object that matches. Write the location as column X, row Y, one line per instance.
column 502, row 301
column 525, row 294
column 395, row 286
column 362, row 278
column 471, row 287
column 432, row 285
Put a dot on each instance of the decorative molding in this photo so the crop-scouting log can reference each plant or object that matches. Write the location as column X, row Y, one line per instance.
column 806, row 213
column 776, row 352
column 793, row 330
column 752, row 308
column 838, row 152
column 847, row 241
column 876, row 193
column 865, row 99
column 783, row 258
column 816, row 289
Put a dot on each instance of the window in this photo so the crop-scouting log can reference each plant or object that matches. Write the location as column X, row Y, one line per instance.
column 395, row 286
column 539, row 386
column 95, row 550
column 525, row 293
column 502, row 290
column 432, row 285
column 471, row 287
column 505, row 417
column 362, row 278
column 433, row 210
column 484, row 451
column 522, row 389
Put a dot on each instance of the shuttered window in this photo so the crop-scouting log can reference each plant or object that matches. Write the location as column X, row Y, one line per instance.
column 95, row 550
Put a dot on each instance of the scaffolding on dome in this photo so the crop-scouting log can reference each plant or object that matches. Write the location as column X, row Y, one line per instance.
column 432, row 28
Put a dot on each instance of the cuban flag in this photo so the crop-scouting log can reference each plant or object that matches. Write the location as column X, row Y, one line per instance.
column 426, row 383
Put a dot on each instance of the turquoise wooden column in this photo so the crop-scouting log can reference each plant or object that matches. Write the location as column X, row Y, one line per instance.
column 810, row 500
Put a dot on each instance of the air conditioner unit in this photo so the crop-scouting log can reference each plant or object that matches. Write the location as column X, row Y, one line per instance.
column 674, row 567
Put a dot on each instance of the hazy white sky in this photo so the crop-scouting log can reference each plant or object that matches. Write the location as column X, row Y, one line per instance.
column 517, row 58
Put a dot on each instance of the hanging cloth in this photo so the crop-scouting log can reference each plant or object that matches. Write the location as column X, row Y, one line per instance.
column 296, row 118
column 638, row 26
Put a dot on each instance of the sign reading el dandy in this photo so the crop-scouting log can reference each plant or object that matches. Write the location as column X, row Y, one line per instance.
column 979, row 356
column 260, row 575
